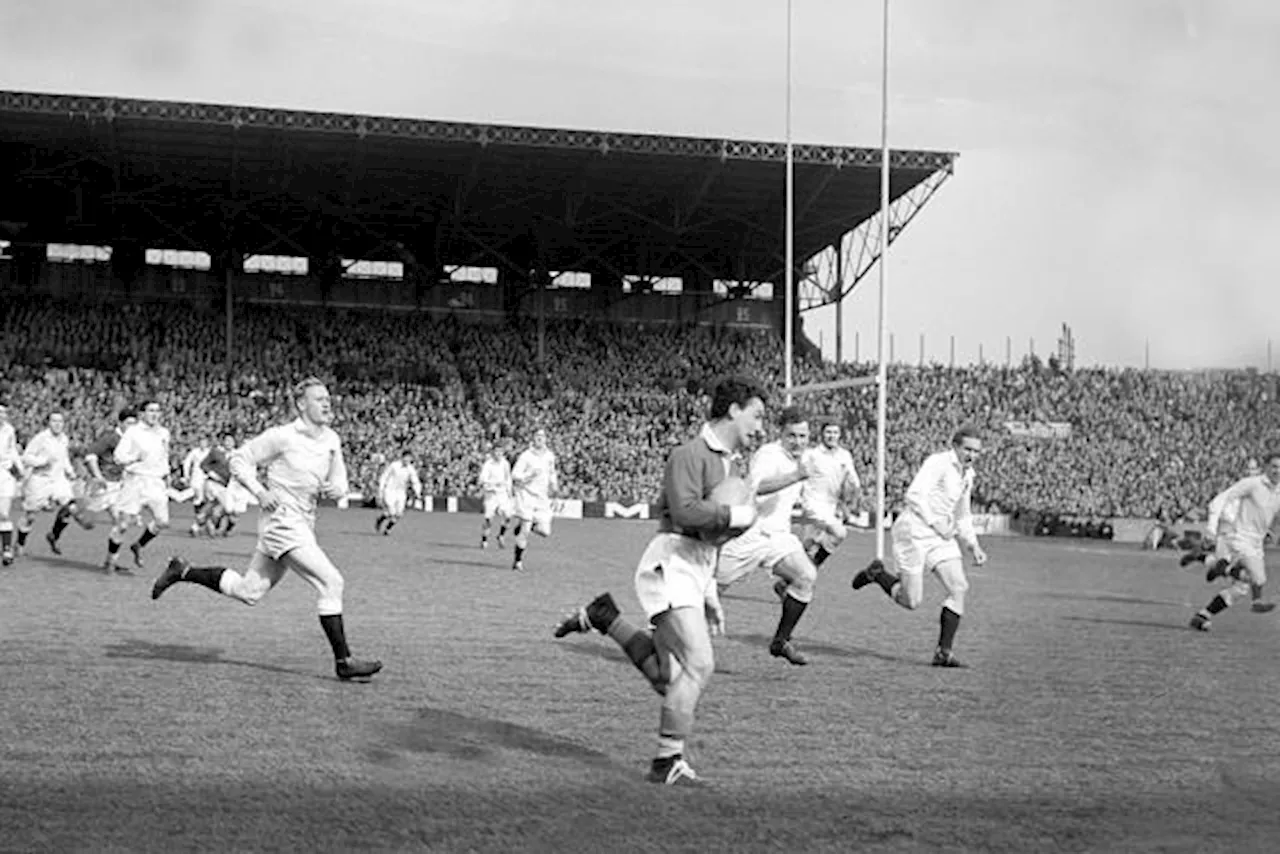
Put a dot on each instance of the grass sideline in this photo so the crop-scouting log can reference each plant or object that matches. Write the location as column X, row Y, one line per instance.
column 1092, row 718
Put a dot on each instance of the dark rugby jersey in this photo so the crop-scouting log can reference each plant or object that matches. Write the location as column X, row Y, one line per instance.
column 104, row 448
column 217, row 466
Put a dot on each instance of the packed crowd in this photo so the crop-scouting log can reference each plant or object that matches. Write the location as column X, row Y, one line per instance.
column 614, row 398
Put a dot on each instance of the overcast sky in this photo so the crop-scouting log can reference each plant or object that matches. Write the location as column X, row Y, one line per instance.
column 1117, row 169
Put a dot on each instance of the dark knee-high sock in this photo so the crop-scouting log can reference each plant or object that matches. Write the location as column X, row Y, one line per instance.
column 333, row 630
column 1255, row 591
column 1217, row 605
column 22, row 536
column 205, row 576
column 60, row 522
column 950, row 621
column 391, row 523
column 519, row 554
column 145, row 537
column 820, row 555
column 6, row 539
column 792, row 610
column 637, row 645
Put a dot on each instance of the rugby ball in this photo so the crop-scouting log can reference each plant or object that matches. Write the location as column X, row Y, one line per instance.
column 733, row 491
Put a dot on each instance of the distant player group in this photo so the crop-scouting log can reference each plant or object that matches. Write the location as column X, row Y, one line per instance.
column 721, row 518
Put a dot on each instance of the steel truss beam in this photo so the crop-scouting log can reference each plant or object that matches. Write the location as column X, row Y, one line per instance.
column 109, row 109
column 819, row 284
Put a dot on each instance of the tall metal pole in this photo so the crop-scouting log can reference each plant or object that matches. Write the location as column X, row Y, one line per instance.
column 840, row 309
column 230, row 365
column 882, row 371
column 788, row 283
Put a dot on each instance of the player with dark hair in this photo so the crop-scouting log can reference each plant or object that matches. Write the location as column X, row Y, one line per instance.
column 304, row 462
column 675, row 579
column 106, row 478
column 927, row 537
column 778, row 472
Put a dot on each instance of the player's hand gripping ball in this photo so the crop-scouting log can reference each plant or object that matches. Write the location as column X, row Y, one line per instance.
column 735, row 492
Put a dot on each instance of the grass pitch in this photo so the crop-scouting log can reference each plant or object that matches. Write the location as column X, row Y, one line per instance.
column 1092, row 718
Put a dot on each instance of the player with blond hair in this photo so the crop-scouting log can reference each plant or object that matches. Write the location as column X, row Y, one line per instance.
column 304, row 462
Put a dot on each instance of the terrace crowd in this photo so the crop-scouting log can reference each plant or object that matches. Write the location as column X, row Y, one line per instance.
column 615, row 398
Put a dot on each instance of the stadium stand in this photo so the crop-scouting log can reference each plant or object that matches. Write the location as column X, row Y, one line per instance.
column 1142, row 444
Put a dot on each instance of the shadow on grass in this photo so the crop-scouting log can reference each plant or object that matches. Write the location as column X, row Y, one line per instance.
column 79, row 565
column 1109, row 597
column 1145, row 624
column 459, row 736
column 149, row 651
column 818, row 648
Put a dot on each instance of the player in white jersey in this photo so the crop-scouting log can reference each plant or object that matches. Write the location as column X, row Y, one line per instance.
column 1217, row 531
column 828, row 496
column 397, row 479
column 495, row 489
column 143, row 452
column 194, row 476
column 47, row 459
column 11, row 472
column 1259, row 503
column 304, row 463
column 927, row 537
column 533, row 481
column 778, row 472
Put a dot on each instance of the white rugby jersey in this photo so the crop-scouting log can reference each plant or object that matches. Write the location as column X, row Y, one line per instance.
column 495, row 476
column 301, row 467
column 47, row 455
column 398, row 477
column 1259, row 502
column 144, row 451
column 9, row 453
column 833, row 468
column 537, row 472
column 774, row 510
column 939, row 495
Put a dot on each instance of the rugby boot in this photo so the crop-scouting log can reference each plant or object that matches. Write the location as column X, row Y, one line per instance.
column 780, row 648
column 672, row 771
column 349, row 669
column 946, row 658
column 173, row 573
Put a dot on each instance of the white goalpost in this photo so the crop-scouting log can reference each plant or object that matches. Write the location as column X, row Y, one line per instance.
column 881, row 377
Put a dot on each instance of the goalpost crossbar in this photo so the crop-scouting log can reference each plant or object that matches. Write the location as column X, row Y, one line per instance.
column 832, row 385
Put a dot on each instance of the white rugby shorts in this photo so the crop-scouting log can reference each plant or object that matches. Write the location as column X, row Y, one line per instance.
column 282, row 531
column 756, row 548
column 918, row 549
column 143, row 492
column 46, row 493
column 497, row 502
column 675, row 571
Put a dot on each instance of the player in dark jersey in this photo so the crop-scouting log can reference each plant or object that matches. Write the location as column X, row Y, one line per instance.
column 228, row 499
column 106, row 474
